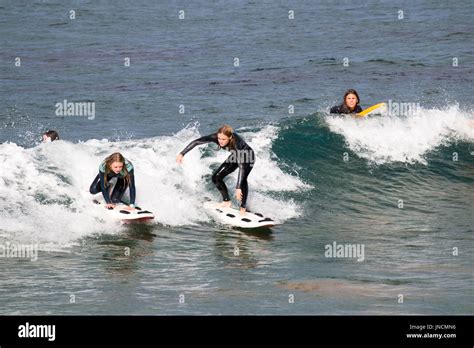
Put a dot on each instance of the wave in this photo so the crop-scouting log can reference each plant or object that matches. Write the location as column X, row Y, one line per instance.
column 44, row 194
column 385, row 139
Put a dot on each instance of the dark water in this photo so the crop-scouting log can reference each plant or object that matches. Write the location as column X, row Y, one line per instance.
column 401, row 186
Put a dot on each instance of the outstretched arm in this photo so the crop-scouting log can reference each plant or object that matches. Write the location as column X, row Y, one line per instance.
column 212, row 138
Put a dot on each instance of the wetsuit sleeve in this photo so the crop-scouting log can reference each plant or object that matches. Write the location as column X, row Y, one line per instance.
column 244, row 159
column 335, row 110
column 240, row 176
column 244, row 170
column 133, row 192
column 104, row 190
column 358, row 109
column 212, row 138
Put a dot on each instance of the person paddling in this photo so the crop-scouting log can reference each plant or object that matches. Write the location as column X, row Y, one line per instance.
column 350, row 104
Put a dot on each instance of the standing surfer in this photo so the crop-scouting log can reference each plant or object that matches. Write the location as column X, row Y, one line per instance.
column 242, row 157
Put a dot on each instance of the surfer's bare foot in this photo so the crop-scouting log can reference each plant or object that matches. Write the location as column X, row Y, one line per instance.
column 226, row 204
column 243, row 211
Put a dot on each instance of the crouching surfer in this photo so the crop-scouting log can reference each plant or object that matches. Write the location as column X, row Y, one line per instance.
column 115, row 166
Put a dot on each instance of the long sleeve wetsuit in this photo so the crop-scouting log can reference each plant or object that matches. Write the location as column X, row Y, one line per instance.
column 98, row 185
column 241, row 157
column 342, row 109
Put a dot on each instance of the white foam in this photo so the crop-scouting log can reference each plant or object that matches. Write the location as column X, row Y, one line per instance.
column 265, row 178
column 382, row 139
column 44, row 191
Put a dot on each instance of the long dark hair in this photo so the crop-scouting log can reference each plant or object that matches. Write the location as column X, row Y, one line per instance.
column 351, row 91
column 228, row 131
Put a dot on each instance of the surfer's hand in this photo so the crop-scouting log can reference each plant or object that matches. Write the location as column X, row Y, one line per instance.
column 110, row 206
column 129, row 208
column 179, row 158
column 238, row 194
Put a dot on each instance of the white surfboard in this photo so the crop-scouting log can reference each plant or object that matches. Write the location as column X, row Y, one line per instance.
column 231, row 216
column 137, row 215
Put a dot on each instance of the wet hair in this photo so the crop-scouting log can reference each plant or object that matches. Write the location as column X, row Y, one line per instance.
column 52, row 134
column 228, row 131
column 351, row 91
column 116, row 157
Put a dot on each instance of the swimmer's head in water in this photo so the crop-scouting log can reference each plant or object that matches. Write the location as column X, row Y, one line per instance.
column 225, row 136
column 351, row 99
column 50, row 136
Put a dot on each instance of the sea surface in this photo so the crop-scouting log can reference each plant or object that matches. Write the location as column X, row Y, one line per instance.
column 400, row 185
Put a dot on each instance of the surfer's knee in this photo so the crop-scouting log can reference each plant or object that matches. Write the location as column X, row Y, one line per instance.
column 93, row 189
column 216, row 178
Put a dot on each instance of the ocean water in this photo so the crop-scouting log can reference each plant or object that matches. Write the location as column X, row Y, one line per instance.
column 402, row 186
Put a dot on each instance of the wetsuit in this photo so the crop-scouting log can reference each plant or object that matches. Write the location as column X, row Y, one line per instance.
column 242, row 157
column 342, row 109
column 98, row 185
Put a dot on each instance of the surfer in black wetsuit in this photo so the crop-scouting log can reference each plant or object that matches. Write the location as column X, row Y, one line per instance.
column 350, row 104
column 242, row 157
column 115, row 166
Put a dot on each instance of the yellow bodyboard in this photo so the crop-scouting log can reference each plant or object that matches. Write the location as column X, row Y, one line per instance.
column 369, row 110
